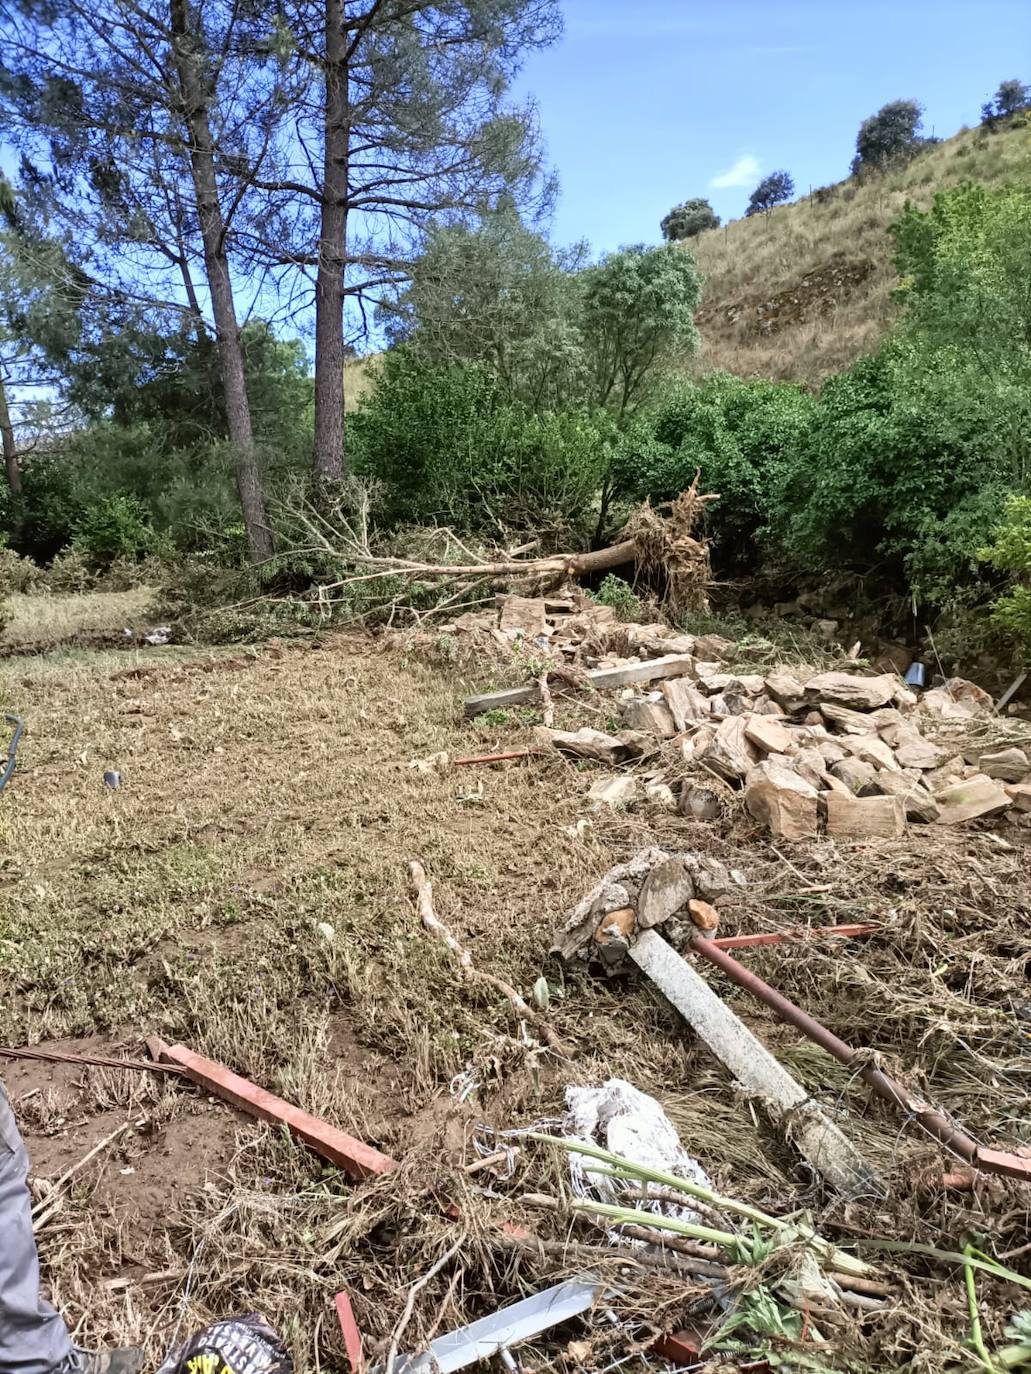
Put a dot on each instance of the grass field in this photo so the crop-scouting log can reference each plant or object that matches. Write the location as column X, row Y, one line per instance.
column 41, row 620
column 244, row 891
column 795, row 257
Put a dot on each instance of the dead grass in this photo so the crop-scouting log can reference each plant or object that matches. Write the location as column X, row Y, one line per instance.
column 359, row 376
column 245, row 891
column 841, row 230
column 52, row 619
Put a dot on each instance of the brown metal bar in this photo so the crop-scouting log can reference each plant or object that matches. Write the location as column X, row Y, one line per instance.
column 777, row 937
column 98, row 1061
column 494, row 758
column 934, row 1122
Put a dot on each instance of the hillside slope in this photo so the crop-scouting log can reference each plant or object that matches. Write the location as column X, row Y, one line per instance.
column 803, row 292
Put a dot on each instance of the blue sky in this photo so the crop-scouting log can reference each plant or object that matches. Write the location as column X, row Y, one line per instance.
column 645, row 103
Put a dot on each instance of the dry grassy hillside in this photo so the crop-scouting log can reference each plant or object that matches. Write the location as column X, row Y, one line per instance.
column 804, row 292
column 359, row 375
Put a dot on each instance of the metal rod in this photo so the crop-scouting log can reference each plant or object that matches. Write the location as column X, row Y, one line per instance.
column 776, row 937
column 94, row 1060
column 933, row 1121
column 494, row 758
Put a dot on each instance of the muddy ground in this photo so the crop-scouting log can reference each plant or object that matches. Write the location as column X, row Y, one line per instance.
column 244, row 891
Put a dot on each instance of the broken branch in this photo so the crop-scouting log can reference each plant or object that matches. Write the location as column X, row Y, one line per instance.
column 431, row 921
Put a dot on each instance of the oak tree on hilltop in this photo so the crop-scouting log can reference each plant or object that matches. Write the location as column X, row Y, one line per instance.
column 687, row 220
column 772, row 190
column 891, row 135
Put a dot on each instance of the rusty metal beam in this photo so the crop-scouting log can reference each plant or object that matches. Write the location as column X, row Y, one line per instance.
column 353, row 1156
column 934, row 1122
column 777, row 937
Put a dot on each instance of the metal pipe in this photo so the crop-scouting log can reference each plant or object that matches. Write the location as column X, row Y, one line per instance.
column 777, row 937
column 933, row 1121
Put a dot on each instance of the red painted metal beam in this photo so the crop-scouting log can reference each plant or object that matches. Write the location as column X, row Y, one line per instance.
column 352, row 1336
column 353, row 1156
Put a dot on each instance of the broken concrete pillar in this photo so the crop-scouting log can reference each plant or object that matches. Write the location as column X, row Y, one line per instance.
column 816, row 1136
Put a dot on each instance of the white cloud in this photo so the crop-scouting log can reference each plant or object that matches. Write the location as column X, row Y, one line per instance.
column 743, row 173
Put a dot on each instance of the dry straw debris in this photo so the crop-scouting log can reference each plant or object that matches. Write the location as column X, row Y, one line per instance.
column 245, row 891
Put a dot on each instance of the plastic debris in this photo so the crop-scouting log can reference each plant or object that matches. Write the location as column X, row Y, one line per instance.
column 619, row 1117
column 241, row 1345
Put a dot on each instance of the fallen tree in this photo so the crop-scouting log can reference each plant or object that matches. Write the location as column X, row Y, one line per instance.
column 662, row 545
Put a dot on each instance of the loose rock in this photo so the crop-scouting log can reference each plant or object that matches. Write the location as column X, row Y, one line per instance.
column 857, row 693
column 865, row 818
column 780, row 799
column 666, row 889
column 971, row 800
column 1007, row 765
column 730, row 754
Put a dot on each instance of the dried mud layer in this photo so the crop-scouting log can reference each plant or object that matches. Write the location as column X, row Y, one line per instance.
column 244, row 891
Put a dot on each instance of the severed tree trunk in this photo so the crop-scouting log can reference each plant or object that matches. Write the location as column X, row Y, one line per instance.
column 193, row 85
column 328, row 457
column 11, row 463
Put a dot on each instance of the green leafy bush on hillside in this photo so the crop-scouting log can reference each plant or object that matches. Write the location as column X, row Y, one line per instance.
column 738, row 435
column 449, row 449
column 1010, row 552
column 687, row 220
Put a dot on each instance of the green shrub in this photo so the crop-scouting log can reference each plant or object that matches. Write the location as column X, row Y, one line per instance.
column 72, row 571
column 738, row 435
column 446, row 448
column 114, row 527
column 1010, row 553
column 889, row 481
column 618, row 593
column 18, row 574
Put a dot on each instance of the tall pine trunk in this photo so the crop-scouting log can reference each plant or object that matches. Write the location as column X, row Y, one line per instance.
column 328, row 458
column 10, row 448
column 189, row 60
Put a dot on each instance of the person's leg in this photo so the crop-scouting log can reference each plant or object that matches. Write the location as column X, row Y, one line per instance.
column 33, row 1338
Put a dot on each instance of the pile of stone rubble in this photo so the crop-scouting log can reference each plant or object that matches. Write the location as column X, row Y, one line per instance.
column 858, row 755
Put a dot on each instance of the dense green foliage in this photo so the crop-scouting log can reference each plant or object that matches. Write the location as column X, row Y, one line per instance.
column 638, row 312
column 527, row 392
column 447, row 445
column 687, row 220
column 1010, row 553
column 159, row 451
column 889, row 136
column 497, row 293
column 772, row 190
column 895, row 472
